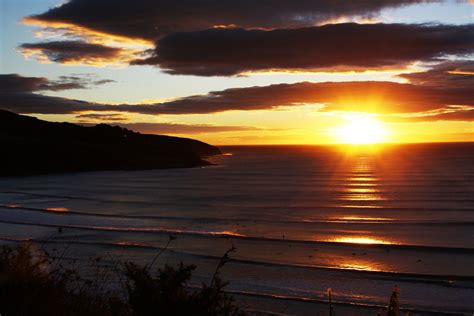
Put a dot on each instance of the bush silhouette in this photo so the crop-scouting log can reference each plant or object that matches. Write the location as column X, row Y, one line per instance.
column 166, row 294
column 32, row 283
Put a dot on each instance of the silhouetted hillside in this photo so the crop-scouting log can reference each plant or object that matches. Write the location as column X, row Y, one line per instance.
column 30, row 145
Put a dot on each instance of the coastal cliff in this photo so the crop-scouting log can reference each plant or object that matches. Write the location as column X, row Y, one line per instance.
column 33, row 146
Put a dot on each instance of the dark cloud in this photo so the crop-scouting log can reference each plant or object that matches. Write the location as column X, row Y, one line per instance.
column 363, row 96
column 14, row 83
column 17, row 93
column 150, row 19
column 347, row 46
column 78, row 81
column 85, row 118
column 17, row 83
column 38, row 103
column 459, row 74
column 67, row 52
column 171, row 128
column 102, row 81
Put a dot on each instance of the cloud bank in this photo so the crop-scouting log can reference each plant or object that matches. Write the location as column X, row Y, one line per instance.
column 228, row 37
column 334, row 47
column 151, row 19
column 422, row 95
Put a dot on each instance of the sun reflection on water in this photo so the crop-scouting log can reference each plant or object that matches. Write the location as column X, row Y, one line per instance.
column 363, row 190
column 358, row 206
column 363, row 197
column 57, row 209
column 358, row 264
column 363, row 218
column 366, row 240
column 361, row 182
column 359, row 178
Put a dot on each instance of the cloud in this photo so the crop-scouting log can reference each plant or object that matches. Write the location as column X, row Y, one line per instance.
column 103, row 81
column 377, row 97
column 173, row 128
column 347, row 46
column 78, row 81
column 459, row 74
column 466, row 115
column 160, row 128
column 77, row 52
column 26, row 103
column 17, row 83
column 455, row 114
column 151, row 19
column 85, row 118
column 14, row 83
column 363, row 96
column 20, row 94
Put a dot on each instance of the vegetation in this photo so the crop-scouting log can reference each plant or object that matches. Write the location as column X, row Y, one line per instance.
column 34, row 284
column 31, row 285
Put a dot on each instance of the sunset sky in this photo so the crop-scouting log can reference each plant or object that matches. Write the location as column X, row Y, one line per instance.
column 245, row 72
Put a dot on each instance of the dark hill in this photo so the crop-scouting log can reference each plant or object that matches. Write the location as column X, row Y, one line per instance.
column 31, row 146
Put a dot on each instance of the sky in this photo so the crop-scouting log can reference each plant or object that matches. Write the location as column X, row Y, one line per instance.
column 245, row 72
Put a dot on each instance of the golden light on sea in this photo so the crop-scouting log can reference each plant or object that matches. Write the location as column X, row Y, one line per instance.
column 58, row 209
column 360, row 240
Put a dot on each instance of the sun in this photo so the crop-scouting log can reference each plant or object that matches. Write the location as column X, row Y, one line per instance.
column 361, row 130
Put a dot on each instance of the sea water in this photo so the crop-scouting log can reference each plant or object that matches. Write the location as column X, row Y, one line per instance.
column 357, row 219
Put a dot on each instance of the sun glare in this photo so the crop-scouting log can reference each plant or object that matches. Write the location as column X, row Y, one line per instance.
column 361, row 130
column 360, row 240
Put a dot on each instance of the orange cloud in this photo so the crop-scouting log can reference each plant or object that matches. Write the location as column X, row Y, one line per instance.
column 92, row 36
column 77, row 53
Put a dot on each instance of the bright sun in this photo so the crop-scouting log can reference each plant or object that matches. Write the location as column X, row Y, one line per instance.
column 361, row 130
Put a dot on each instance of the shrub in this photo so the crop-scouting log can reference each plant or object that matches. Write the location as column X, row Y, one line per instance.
column 167, row 294
column 31, row 283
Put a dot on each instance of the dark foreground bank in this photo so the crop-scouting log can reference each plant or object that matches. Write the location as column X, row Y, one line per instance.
column 32, row 146
column 33, row 282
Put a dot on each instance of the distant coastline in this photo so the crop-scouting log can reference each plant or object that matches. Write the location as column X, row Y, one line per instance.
column 32, row 146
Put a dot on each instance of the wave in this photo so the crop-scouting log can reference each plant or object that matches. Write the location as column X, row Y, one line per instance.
column 352, row 221
column 437, row 280
column 336, row 199
column 376, row 307
column 233, row 235
column 441, row 280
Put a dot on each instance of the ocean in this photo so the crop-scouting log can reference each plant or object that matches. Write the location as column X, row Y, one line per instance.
column 357, row 219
